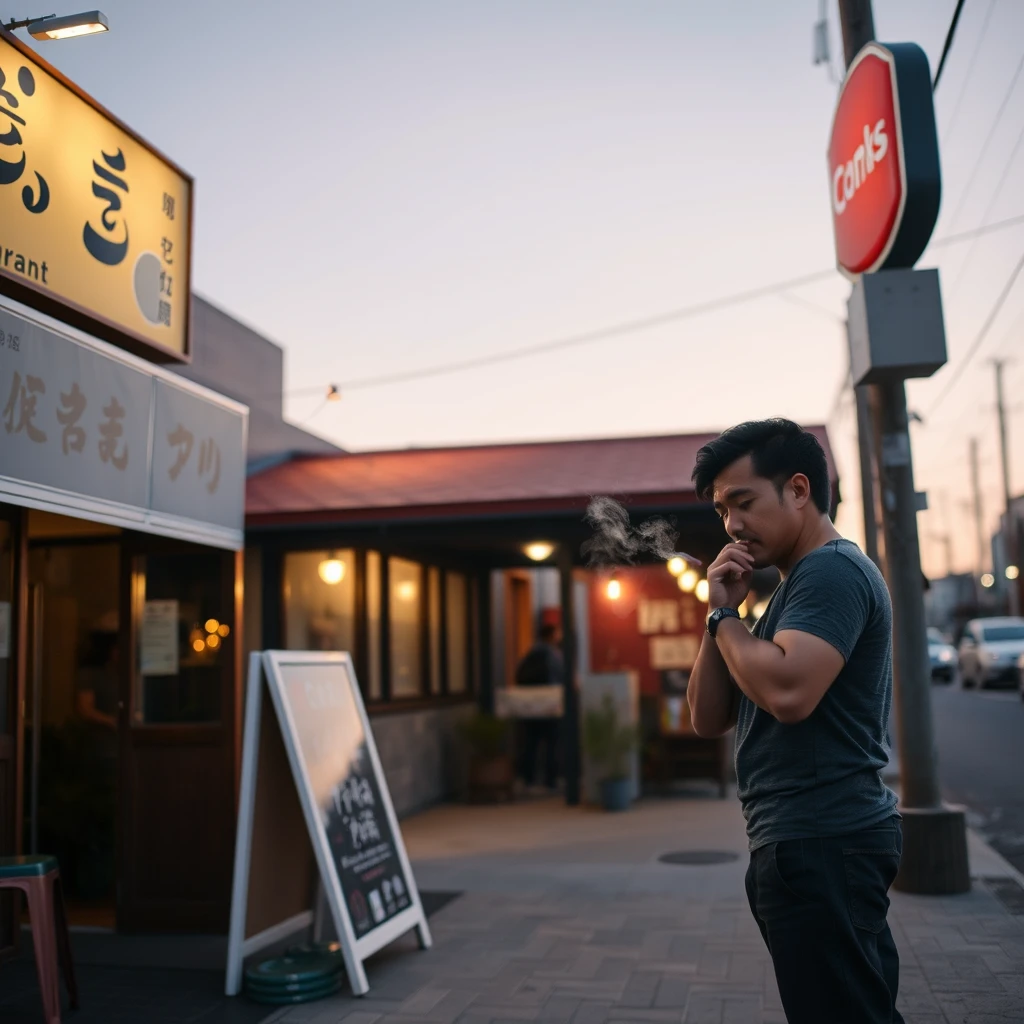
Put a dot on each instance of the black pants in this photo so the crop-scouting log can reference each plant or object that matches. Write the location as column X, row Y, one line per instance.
column 821, row 906
column 539, row 732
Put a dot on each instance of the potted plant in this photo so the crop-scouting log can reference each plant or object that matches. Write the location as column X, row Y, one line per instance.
column 491, row 771
column 609, row 744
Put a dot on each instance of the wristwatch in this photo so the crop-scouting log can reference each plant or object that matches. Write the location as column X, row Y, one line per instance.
column 716, row 617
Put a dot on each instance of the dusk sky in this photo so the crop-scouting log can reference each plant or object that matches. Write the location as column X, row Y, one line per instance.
column 383, row 187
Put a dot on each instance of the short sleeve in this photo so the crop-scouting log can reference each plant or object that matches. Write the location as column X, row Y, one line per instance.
column 830, row 598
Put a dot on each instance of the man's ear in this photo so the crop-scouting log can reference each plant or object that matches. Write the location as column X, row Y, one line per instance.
column 801, row 489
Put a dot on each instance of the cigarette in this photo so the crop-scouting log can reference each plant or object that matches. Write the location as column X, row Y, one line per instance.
column 689, row 559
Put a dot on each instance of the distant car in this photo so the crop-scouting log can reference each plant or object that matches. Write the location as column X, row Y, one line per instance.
column 990, row 652
column 941, row 655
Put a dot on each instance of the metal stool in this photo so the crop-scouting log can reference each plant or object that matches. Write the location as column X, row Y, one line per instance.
column 38, row 877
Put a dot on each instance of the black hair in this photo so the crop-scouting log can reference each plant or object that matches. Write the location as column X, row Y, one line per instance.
column 99, row 648
column 548, row 632
column 779, row 449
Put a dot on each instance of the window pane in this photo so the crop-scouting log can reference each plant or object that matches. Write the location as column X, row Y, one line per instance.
column 434, row 589
column 404, row 604
column 458, row 635
column 319, row 600
column 180, row 640
column 373, row 606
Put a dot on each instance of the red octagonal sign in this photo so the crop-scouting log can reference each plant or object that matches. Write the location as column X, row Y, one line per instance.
column 883, row 162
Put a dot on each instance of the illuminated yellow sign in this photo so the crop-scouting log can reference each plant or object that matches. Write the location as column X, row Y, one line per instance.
column 95, row 225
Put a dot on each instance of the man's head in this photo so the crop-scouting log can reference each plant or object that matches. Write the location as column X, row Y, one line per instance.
column 550, row 633
column 769, row 481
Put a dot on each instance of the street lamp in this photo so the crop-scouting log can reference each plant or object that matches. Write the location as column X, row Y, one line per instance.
column 68, row 26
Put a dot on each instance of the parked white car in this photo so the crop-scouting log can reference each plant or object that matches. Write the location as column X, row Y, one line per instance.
column 941, row 655
column 990, row 652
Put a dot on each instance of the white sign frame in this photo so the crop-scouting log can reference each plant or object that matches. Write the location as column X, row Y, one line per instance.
column 265, row 667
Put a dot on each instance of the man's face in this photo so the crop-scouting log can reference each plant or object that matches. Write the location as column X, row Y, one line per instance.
column 753, row 511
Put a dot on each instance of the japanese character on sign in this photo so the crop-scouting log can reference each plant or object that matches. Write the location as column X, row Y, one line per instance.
column 111, row 431
column 167, row 245
column 168, row 206
column 164, row 313
column 209, row 463
column 183, row 440
column 72, row 407
column 166, row 281
column 20, row 410
column 11, row 170
column 108, row 250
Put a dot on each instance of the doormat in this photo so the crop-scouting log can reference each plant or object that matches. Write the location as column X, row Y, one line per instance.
column 696, row 857
column 1009, row 892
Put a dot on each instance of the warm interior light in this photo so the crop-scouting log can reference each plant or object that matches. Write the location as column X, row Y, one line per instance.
column 702, row 590
column 688, row 581
column 743, row 609
column 676, row 565
column 212, row 625
column 614, row 589
column 213, row 642
column 406, row 590
column 85, row 24
column 1012, row 572
column 223, row 629
column 988, row 580
column 539, row 550
column 331, row 570
column 760, row 608
column 198, row 646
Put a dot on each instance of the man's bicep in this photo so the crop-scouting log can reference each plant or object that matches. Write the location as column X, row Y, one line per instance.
column 811, row 661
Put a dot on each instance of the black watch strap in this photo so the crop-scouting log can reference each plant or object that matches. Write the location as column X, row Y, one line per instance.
column 716, row 617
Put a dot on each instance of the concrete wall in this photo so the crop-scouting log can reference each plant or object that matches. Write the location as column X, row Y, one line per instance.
column 421, row 753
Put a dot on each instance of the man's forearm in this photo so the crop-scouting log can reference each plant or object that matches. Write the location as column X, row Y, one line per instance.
column 756, row 666
column 710, row 693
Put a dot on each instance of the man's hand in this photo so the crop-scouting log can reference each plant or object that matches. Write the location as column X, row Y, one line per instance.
column 729, row 577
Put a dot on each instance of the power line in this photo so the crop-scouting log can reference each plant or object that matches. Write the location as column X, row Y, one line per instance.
column 988, row 210
column 626, row 327
column 982, row 334
column 970, row 69
column 988, row 141
column 948, row 43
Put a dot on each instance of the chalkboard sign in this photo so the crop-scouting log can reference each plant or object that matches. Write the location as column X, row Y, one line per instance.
column 366, row 879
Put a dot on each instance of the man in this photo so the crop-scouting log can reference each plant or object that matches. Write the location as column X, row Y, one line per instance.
column 809, row 693
column 541, row 666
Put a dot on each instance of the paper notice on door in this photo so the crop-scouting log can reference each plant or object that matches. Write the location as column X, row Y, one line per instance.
column 5, row 629
column 160, row 639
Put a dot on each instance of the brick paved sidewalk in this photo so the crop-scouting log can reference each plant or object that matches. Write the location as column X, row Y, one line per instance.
column 568, row 916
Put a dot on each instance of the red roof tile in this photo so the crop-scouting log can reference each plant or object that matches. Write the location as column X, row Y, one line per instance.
column 549, row 474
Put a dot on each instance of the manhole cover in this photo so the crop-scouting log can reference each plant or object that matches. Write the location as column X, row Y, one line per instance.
column 699, row 857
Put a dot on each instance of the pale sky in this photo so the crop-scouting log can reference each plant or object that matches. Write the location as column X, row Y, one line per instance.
column 385, row 186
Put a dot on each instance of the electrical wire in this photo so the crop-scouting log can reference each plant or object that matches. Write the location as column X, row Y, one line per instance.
column 982, row 334
column 948, row 43
column 970, row 69
column 629, row 326
column 988, row 141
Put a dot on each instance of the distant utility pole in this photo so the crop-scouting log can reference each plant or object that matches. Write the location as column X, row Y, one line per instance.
column 945, row 538
column 1009, row 525
column 979, row 517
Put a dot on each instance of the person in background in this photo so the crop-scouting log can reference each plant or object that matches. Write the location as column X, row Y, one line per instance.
column 542, row 665
column 96, row 692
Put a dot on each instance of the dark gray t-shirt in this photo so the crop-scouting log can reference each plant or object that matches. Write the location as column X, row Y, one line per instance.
column 820, row 777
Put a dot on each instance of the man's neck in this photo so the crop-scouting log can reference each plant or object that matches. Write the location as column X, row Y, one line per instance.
column 816, row 534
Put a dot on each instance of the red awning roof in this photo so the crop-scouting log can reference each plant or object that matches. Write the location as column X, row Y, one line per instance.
column 545, row 476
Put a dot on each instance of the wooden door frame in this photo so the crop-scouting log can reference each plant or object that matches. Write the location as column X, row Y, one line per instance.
column 135, row 548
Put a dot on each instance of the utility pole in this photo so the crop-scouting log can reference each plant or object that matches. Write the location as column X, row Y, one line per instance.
column 1009, row 526
column 935, row 839
column 858, row 29
column 979, row 518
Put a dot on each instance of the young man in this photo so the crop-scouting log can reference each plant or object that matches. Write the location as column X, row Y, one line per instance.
column 541, row 666
column 809, row 693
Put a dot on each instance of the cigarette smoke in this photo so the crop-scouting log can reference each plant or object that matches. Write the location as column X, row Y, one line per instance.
column 617, row 542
